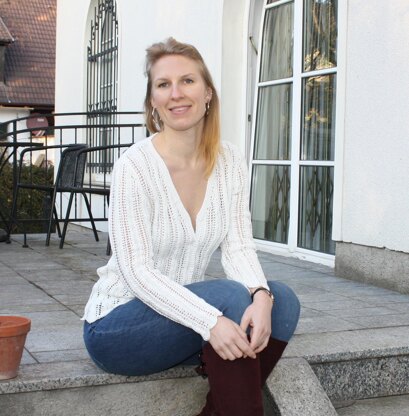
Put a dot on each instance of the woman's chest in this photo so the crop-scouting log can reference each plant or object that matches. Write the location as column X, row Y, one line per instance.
column 181, row 219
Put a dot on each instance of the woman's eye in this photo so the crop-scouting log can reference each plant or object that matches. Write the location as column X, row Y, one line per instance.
column 162, row 85
column 188, row 81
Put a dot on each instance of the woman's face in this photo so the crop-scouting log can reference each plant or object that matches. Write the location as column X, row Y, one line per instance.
column 179, row 92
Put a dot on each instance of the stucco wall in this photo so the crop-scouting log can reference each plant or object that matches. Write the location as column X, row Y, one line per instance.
column 140, row 24
column 375, row 205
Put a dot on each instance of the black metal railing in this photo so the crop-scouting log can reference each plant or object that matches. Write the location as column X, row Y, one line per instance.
column 63, row 129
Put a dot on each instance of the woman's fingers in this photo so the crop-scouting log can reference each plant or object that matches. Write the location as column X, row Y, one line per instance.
column 229, row 340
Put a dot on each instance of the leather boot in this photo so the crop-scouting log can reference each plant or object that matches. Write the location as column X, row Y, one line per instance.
column 235, row 386
column 269, row 357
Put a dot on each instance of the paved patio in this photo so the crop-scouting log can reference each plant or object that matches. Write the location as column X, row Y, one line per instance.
column 341, row 320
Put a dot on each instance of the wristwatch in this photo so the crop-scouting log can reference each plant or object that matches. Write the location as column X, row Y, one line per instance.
column 262, row 288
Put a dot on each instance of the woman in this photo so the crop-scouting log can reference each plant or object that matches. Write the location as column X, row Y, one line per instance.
column 175, row 198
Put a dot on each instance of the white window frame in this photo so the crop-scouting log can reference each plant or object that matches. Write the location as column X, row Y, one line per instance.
column 291, row 249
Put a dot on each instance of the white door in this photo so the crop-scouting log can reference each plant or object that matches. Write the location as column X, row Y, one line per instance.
column 293, row 140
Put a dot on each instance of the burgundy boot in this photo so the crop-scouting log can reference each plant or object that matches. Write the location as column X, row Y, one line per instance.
column 269, row 357
column 235, row 386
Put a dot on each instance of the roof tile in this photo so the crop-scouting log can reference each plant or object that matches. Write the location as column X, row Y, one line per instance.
column 30, row 59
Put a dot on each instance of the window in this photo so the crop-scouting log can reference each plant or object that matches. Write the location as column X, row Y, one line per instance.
column 293, row 142
column 102, row 79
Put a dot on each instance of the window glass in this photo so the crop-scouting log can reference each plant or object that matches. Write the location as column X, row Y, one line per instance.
column 277, row 51
column 270, row 207
column 273, row 126
column 320, row 34
column 315, row 205
column 318, row 118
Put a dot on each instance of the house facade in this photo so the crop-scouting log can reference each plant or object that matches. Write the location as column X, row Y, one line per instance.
column 314, row 92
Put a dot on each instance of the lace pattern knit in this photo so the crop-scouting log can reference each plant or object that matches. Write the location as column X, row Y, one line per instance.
column 155, row 249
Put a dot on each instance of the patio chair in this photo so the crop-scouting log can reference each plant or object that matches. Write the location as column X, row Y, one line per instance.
column 70, row 172
column 85, row 157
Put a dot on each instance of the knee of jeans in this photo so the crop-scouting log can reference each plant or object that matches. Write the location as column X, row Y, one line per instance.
column 236, row 301
column 284, row 295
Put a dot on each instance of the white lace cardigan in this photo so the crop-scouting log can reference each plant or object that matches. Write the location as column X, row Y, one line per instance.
column 155, row 250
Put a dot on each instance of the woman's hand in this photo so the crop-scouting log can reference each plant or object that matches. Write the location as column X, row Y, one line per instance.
column 229, row 340
column 258, row 317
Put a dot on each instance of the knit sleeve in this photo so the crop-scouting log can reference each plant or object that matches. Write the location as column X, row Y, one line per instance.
column 239, row 258
column 130, row 235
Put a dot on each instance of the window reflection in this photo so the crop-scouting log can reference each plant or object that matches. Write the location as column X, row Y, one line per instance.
column 277, row 52
column 320, row 34
column 318, row 109
column 273, row 131
column 270, row 206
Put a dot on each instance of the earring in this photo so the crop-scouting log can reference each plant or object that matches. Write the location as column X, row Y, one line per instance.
column 207, row 108
column 156, row 118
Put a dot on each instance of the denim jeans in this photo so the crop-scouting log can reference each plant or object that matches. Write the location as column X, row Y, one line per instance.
column 133, row 339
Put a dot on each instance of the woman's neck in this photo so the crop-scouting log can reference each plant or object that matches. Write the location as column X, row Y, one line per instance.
column 176, row 147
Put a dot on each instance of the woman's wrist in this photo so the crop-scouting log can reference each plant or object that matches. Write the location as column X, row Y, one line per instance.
column 261, row 292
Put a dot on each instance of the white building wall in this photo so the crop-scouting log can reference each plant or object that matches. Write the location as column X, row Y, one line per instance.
column 141, row 23
column 12, row 113
column 375, row 205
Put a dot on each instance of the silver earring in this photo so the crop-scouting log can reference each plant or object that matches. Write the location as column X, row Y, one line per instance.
column 207, row 108
column 156, row 119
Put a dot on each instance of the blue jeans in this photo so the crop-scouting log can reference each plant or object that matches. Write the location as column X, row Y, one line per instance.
column 133, row 339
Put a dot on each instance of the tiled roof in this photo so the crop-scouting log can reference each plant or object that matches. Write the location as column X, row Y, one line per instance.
column 30, row 59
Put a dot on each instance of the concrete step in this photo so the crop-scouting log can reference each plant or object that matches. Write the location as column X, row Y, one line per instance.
column 79, row 388
column 382, row 406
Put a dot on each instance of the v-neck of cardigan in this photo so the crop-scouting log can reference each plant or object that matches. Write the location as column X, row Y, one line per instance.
column 176, row 196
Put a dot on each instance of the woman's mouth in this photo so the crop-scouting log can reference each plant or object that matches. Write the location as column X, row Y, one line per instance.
column 182, row 109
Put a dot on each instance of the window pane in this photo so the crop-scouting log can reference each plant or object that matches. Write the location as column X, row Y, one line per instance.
column 273, row 124
column 270, row 202
column 320, row 34
column 318, row 128
column 315, row 216
column 277, row 52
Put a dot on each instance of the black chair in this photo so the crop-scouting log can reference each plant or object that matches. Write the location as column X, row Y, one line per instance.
column 85, row 158
column 70, row 172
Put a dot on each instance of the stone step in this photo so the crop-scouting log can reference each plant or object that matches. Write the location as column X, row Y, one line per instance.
column 382, row 406
column 80, row 388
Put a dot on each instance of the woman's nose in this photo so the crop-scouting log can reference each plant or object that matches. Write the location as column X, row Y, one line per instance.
column 176, row 91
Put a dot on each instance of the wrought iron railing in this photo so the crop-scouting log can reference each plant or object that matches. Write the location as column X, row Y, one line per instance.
column 62, row 129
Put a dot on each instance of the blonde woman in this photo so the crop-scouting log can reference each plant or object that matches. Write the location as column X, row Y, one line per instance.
column 175, row 198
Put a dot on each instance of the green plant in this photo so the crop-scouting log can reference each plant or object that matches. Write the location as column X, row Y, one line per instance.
column 33, row 206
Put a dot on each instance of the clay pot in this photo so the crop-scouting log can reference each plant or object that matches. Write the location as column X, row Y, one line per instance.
column 13, row 332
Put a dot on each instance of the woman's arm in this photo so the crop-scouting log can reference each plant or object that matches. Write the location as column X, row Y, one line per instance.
column 239, row 258
column 240, row 261
column 130, row 236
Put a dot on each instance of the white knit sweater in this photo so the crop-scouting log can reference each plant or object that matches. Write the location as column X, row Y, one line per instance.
column 155, row 250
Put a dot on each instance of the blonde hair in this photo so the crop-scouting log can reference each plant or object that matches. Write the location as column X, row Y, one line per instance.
column 210, row 141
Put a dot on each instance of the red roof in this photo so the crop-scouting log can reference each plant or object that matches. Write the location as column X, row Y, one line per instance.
column 30, row 58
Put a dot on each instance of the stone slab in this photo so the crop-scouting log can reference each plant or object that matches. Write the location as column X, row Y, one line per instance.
column 350, row 345
column 383, row 406
column 318, row 324
column 380, row 321
column 364, row 378
column 173, row 397
column 58, row 337
column 377, row 266
column 81, row 373
column 61, row 356
column 296, row 390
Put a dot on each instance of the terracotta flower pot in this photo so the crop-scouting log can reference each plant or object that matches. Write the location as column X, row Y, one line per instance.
column 13, row 332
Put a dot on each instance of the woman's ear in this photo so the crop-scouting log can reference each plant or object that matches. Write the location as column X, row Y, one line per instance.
column 209, row 94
